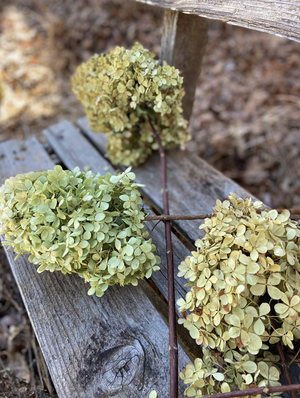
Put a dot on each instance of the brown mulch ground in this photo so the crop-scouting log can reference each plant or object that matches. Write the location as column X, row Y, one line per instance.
column 23, row 372
column 245, row 120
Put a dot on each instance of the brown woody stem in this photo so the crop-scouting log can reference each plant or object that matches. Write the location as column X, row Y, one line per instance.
column 173, row 347
column 285, row 368
column 165, row 217
column 284, row 364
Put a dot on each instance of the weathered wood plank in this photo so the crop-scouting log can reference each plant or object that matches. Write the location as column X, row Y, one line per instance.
column 194, row 186
column 59, row 136
column 183, row 43
column 116, row 346
column 280, row 17
column 69, row 144
column 22, row 156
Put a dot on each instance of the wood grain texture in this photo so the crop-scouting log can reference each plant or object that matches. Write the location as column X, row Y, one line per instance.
column 74, row 150
column 58, row 135
column 116, row 346
column 194, row 186
column 91, row 347
column 183, row 43
column 280, row 17
column 22, row 156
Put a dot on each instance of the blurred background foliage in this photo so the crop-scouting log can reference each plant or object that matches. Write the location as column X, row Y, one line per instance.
column 245, row 120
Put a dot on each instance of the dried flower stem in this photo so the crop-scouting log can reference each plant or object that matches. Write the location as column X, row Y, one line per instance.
column 254, row 391
column 285, row 368
column 295, row 358
column 165, row 217
column 284, row 364
column 173, row 347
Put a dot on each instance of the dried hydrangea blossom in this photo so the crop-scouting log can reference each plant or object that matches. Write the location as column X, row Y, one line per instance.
column 233, row 371
column 124, row 88
column 246, row 264
column 77, row 222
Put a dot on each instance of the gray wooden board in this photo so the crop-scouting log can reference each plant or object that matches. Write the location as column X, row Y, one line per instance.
column 280, row 17
column 69, row 144
column 116, row 346
column 59, row 136
column 193, row 185
column 183, row 43
column 22, row 156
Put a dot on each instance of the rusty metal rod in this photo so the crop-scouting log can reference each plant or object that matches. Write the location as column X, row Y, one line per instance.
column 173, row 347
column 285, row 368
column 283, row 361
column 164, row 217
column 167, row 217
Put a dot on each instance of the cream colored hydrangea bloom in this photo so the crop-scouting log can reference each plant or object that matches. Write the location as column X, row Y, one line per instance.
column 244, row 283
column 121, row 91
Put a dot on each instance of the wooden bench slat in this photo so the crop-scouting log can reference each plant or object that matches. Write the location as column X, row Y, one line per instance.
column 21, row 156
column 114, row 346
column 69, row 144
column 280, row 17
column 194, row 186
column 81, row 337
column 183, row 43
column 185, row 171
column 58, row 136
column 150, row 171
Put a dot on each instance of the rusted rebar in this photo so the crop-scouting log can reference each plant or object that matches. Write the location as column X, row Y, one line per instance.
column 285, row 367
column 164, row 217
column 173, row 347
column 167, row 217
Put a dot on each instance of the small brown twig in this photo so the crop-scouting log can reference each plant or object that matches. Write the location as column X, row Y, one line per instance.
column 285, row 368
column 11, row 379
column 254, row 391
column 37, row 359
column 6, row 294
column 165, row 217
column 173, row 347
column 30, row 358
column 43, row 369
column 295, row 358
column 283, row 363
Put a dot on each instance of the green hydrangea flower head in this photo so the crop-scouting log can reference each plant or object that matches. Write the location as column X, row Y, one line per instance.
column 77, row 222
column 121, row 91
column 244, row 283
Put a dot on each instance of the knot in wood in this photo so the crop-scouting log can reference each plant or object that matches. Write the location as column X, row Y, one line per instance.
column 120, row 366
